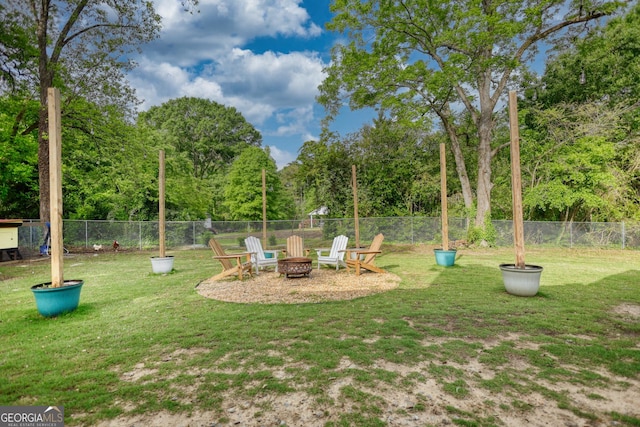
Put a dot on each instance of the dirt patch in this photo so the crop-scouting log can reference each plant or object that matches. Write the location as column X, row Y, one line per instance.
column 415, row 398
column 627, row 310
column 322, row 285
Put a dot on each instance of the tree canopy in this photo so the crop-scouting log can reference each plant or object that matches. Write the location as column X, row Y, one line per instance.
column 428, row 58
column 580, row 122
column 211, row 135
column 243, row 192
column 79, row 47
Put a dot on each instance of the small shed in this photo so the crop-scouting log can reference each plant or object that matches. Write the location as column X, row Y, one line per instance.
column 321, row 211
column 9, row 239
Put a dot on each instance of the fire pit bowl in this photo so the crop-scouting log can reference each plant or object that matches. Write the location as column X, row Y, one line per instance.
column 294, row 267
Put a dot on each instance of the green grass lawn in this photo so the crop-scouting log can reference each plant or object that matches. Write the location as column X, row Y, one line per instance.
column 447, row 346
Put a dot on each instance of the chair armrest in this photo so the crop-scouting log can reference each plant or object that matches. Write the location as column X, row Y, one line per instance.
column 320, row 250
column 367, row 252
column 237, row 257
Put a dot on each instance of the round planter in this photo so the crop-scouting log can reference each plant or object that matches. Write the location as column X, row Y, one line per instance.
column 161, row 265
column 445, row 258
column 54, row 301
column 523, row 282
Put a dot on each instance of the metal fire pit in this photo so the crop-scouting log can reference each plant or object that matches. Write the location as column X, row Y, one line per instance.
column 297, row 267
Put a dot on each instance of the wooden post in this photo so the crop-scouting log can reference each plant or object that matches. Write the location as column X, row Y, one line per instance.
column 516, row 181
column 443, row 198
column 355, row 204
column 161, row 214
column 55, row 183
column 264, row 208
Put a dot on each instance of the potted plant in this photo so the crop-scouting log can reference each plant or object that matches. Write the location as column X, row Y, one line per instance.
column 444, row 256
column 58, row 296
column 519, row 278
column 162, row 264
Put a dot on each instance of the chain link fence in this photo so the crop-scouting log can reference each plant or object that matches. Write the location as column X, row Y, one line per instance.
column 86, row 236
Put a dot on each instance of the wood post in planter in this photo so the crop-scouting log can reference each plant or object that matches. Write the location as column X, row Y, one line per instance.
column 444, row 256
column 55, row 184
column 161, row 201
column 516, row 181
column 161, row 264
column 264, row 208
column 355, row 204
column 58, row 296
column 519, row 279
column 443, row 198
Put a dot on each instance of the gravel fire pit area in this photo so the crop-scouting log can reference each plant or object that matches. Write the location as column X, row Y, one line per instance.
column 322, row 285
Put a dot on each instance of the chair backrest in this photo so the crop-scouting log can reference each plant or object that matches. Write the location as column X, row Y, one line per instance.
column 376, row 243
column 295, row 247
column 253, row 245
column 218, row 251
column 338, row 247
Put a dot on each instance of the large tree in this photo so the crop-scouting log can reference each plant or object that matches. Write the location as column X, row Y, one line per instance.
column 80, row 46
column 18, row 164
column 211, row 135
column 583, row 123
column 243, row 191
column 437, row 58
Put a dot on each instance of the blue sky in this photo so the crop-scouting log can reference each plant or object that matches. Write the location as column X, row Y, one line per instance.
column 263, row 57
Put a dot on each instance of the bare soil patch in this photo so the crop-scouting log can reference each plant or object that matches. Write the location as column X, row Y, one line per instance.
column 322, row 285
column 415, row 398
column 627, row 310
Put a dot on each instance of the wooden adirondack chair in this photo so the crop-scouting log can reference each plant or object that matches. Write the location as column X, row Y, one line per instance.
column 228, row 267
column 336, row 253
column 367, row 263
column 295, row 248
column 258, row 258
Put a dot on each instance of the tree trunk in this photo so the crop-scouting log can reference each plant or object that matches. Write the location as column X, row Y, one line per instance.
column 484, row 123
column 461, row 167
column 43, row 162
column 46, row 80
column 483, row 202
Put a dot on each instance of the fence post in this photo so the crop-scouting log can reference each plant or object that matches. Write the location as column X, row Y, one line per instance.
column 140, row 234
column 86, row 233
column 412, row 237
column 571, row 235
column 623, row 235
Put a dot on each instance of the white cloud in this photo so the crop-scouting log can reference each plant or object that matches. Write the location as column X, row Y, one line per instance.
column 293, row 122
column 283, row 80
column 255, row 55
column 282, row 158
column 220, row 25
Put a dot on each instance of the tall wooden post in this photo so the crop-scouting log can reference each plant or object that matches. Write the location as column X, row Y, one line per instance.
column 55, row 183
column 264, row 208
column 443, row 198
column 355, row 204
column 161, row 214
column 516, row 181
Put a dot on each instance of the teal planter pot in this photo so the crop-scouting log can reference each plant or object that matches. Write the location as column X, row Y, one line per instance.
column 445, row 258
column 523, row 282
column 51, row 302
